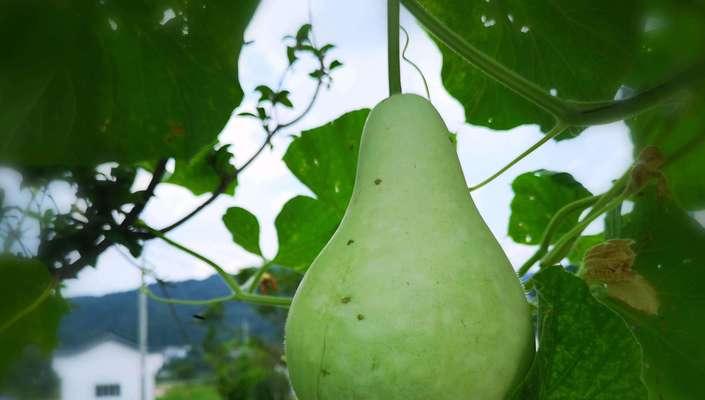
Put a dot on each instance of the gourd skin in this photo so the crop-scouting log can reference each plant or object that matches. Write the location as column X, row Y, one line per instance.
column 412, row 298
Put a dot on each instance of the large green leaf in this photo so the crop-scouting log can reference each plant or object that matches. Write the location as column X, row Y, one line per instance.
column 244, row 227
column 538, row 195
column 580, row 49
column 670, row 257
column 83, row 82
column 324, row 159
column 666, row 24
column 678, row 131
column 586, row 351
column 30, row 309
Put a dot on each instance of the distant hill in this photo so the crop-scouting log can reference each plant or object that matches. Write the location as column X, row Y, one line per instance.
column 116, row 313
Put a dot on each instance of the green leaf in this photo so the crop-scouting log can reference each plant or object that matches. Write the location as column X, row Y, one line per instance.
column 84, row 82
column 557, row 45
column 244, row 227
column 303, row 33
column 265, row 93
column 204, row 171
column 538, row 195
column 30, row 309
column 335, row 64
column 291, row 54
column 325, row 160
column 304, row 226
column 678, row 131
column 669, row 255
column 585, row 351
column 667, row 23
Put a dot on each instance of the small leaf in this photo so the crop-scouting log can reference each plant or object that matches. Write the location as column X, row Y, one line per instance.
column 317, row 74
column 303, row 33
column 266, row 93
column 334, row 64
column 204, row 172
column 262, row 113
column 291, row 54
column 283, row 99
column 323, row 50
column 538, row 196
column 244, row 228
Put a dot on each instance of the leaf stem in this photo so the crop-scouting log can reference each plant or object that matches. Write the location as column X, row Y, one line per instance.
column 393, row 47
column 557, row 130
column 237, row 292
column 612, row 198
column 572, row 113
column 552, row 227
column 226, row 181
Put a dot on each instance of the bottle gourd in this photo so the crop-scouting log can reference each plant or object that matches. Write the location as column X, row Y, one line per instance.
column 412, row 298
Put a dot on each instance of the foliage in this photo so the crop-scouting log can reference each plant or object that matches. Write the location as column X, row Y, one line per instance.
column 190, row 391
column 669, row 255
column 585, row 349
column 31, row 377
column 30, row 309
column 324, row 159
column 117, row 81
column 245, row 368
column 137, row 84
column 538, row 196
column 558, row 46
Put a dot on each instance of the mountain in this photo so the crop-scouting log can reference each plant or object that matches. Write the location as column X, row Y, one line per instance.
column 169, row 325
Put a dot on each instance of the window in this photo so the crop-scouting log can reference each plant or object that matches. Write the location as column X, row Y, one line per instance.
column 107, row 390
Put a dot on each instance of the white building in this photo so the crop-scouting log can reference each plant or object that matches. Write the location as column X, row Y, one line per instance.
column 105, row 369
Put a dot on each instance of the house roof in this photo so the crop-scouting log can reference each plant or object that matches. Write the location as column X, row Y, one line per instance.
column 95, row 341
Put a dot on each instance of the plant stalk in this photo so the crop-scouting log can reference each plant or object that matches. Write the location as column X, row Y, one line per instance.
column 393, row 47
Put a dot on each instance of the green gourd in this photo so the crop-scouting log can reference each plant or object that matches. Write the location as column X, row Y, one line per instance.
column 412, row 298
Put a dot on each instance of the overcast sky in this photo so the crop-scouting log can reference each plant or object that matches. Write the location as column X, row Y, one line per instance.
column 357, row 28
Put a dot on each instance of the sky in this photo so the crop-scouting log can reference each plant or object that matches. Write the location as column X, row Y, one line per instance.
column 358, row 29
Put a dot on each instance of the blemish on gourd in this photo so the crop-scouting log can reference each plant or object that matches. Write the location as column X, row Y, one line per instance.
column 375, row 364
column 325, row 372
column 378, row 181
column 360, row 317
column 350, row 242
column 345, row 300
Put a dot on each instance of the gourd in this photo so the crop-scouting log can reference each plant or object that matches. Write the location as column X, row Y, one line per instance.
column 412, row 298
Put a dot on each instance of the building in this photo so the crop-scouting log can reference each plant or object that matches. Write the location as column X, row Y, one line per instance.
column 107, row 368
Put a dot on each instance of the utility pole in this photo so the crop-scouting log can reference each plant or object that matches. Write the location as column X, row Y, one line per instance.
column 142, row 326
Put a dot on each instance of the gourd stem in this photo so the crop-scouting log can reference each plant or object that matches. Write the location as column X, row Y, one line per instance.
column 393, row 47
column 557, row 130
